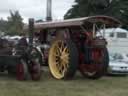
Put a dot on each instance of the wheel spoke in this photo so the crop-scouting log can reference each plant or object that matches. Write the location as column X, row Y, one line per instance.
column 64, row 68
column 65, row 56
column 57, row 51
column 60, row 68
column 65, row 50
column 56, row 54
column 66, row 60
column 57, row 65
column 60, row 50
column 62, row 46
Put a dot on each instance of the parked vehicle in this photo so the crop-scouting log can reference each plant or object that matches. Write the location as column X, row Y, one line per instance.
column 74, row 46
column 121, row 57
column 117, row 39
column 22, row 60
column 117, row 67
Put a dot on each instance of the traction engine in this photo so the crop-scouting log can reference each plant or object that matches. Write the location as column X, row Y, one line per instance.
column 76, row 44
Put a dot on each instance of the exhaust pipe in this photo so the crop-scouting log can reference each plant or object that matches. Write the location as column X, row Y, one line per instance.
column 49, row 10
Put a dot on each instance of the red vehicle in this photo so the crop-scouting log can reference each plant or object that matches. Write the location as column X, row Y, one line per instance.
column 76, row 44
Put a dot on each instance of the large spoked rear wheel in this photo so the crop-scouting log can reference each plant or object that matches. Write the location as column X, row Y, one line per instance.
column 98, row 67
column 22, row 70
column 63, row 59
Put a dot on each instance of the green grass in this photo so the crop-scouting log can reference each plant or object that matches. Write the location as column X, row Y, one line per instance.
column 79, row 86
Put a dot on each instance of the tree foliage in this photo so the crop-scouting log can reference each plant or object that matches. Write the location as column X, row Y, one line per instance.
column 3, row 25
column 114, row 8
column 13, row 25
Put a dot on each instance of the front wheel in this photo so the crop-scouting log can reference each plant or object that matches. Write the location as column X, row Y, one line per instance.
column 22, row 70
column 63, row 59
column 98, row 67
column 35, row 70
column 35, row 64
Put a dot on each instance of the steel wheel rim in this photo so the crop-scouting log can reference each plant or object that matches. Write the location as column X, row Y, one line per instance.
column 59, row 59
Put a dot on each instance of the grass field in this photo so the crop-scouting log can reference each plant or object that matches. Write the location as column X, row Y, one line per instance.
column 79, row 86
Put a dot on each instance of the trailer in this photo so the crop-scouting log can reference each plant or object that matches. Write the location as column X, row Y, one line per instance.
column 75, row 44
column 23, row 61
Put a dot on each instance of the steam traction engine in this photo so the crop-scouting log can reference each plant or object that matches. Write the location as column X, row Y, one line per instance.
column 76, row 44
column 21, row 60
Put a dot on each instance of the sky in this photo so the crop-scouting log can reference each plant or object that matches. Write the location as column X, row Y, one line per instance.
column 34, row 8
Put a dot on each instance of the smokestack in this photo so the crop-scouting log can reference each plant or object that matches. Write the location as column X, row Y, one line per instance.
column 49, row 10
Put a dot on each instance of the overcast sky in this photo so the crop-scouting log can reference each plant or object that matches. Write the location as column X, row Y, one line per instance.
column 34, row 8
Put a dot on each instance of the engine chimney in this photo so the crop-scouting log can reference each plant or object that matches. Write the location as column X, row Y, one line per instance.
column 49, row 10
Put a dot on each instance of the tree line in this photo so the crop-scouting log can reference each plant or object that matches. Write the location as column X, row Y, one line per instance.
column 114, row 8
column 13, row 25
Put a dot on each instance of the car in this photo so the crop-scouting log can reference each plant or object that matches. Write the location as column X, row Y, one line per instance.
column 117, row 67
column 121, row 57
